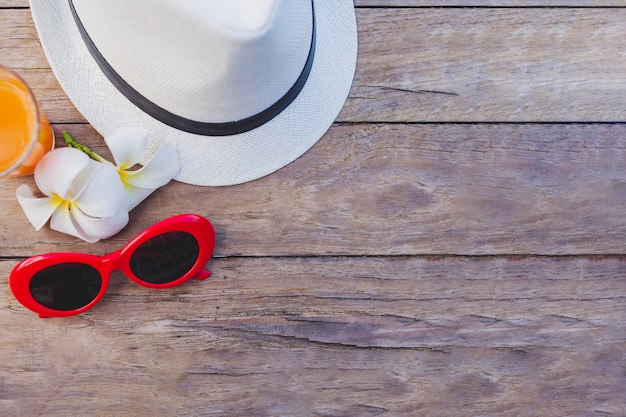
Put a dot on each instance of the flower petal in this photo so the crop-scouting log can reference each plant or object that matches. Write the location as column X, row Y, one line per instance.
column 135, row 195
column 81, row 180
column 37, row 210
column 158, row 171
column 62, row 221
column 58, row 169
column 99, row 228
column 128, row 145
column 102, row 194
column 69, row 219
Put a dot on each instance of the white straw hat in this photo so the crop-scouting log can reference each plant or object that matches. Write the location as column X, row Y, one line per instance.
column 242, row 87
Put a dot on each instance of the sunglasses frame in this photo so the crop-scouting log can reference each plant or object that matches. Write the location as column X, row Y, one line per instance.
column 199, row 227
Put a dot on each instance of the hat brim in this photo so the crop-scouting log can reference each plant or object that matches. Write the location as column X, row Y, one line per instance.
column 210, row 160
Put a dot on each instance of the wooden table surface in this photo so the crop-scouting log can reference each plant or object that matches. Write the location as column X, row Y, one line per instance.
column 453, row 246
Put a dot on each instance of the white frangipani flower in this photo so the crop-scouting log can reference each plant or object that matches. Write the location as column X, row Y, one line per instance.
column 128, row 147
column 84, row 198
column 89, row 197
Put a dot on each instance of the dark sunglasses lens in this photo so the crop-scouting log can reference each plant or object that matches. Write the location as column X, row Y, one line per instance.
column 66, row 286
column 165, row 258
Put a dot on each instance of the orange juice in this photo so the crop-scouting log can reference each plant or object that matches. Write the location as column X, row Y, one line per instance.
column 25, row 134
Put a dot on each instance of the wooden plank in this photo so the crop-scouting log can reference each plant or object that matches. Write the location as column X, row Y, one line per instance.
column 490, row 3
column 397, row 190
column 440, row 3
column 13, row 3
column 333, row 336
column 446, row 65
column 442, row 65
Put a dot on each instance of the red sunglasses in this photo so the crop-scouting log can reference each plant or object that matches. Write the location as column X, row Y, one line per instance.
column 164, row 255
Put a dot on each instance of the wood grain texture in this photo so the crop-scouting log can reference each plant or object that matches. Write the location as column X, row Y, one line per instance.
column 439, row 3
column 441, row 65
column 446, row 65
column 399, row 190
column 334, row 337
column 489, row 3
column 436, row 253
column 13, row 3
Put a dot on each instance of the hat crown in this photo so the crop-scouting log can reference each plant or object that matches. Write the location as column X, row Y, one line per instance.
column 225, row 60
column 240, row 16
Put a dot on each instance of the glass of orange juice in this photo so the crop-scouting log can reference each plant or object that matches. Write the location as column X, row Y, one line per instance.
column 25, row 133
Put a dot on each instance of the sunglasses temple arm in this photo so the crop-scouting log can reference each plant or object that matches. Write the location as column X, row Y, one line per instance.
column 204, row 274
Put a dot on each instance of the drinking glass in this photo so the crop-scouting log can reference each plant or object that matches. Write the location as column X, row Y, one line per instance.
column 25, row 133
